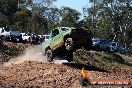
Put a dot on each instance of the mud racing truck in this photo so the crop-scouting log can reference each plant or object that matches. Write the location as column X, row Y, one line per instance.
column 64, row 41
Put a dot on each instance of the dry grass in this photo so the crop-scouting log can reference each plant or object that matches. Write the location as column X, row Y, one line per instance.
column 98, row 59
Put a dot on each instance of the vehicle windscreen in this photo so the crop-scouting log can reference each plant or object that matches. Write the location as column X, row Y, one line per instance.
column 95, row 40
column 113, row 44
column 7, row 29
column 64, row 29
column 28, row 34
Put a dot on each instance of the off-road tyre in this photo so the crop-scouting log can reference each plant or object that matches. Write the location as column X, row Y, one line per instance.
column 88, row 45
column 97, row 48
column 108, row 49
column 69, row 43
column 49, row 55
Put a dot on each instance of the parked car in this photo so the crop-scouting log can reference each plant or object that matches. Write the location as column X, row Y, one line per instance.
column 26, row 36
column 46, row 37
column 13, row 36
column 121, row 50
column 95, row 41
column 113, row 46
column 103, row 44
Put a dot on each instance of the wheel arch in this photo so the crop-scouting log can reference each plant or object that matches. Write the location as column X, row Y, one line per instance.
column 67, row 36
column 46, row 49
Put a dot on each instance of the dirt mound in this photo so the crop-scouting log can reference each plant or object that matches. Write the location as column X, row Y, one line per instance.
column 102, row 60
column 35, row 74
column 11, row 50
column 32, row 73
column 38, row 75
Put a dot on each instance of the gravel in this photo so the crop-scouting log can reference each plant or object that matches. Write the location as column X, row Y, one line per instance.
column 32, row 74
column 37, row 74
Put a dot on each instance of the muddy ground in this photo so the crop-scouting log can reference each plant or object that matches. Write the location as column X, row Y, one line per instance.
column 31, row 70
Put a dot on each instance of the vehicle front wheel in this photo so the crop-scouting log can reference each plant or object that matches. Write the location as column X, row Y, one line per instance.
column 49, row 55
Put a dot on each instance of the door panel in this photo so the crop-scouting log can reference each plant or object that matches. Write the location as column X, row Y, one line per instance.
column 56, row 41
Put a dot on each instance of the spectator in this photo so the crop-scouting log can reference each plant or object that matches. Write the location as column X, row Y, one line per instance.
column 33, row 39
column 30, row 40
column 37, row 39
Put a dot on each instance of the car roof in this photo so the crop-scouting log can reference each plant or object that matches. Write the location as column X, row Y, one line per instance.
column 96, row 39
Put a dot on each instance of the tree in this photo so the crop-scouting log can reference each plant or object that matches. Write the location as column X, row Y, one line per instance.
column 120, row 14
column 38, row 22
column 69, row 17
column 113, row 17
column 21, row 19
column 46, row 10
column 53, row 16
column 7, row 9
column 3, row 20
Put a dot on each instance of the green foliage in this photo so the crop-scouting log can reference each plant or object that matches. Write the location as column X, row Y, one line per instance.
column 3, row 20
column 24, row 18
column 21, row 19
column 112, row 19
column 69, row 17
column 103, row 28
column 8, row 7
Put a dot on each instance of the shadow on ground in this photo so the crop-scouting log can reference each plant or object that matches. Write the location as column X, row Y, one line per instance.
column 80, row 66
column 117, row 58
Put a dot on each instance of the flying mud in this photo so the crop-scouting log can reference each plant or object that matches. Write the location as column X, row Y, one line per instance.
column 32, row 53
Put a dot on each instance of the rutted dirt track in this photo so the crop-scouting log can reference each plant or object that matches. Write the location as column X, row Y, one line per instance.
column 38, row 75
column 31, row 70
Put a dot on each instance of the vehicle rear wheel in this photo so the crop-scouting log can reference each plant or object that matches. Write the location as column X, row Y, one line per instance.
column 88, row 44
column 49, row 55
column 107, row 49
column 69, row 56
column 69, row 43
column 97, row 48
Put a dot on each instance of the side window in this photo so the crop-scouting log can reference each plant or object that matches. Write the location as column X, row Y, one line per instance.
column 55, row 32
column 64, row 29
column 7, row 29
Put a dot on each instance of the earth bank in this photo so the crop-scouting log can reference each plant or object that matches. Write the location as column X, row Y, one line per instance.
column 36, row 74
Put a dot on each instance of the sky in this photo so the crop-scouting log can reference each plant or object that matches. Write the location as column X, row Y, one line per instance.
column 75, row 4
